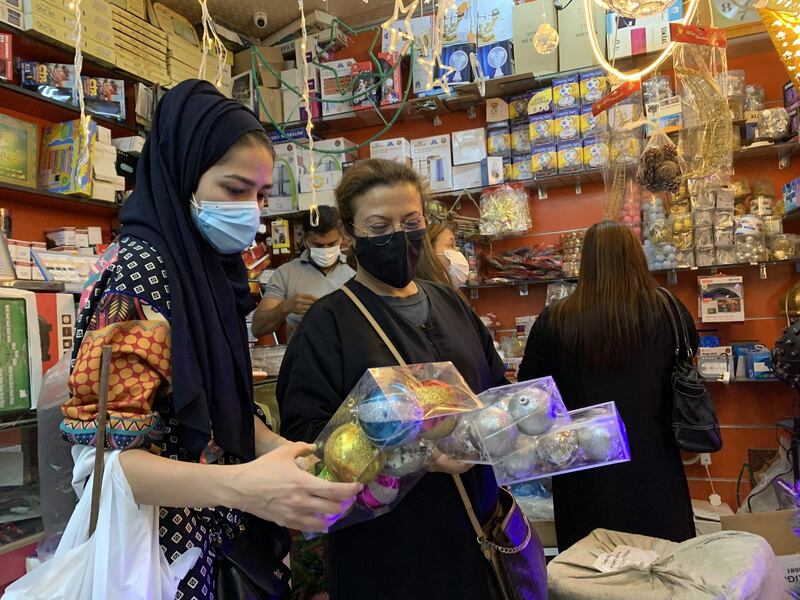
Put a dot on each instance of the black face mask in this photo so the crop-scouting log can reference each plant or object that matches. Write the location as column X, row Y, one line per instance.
column 393, row 262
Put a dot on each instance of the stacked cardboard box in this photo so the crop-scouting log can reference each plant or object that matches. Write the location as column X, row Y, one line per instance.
column 105, row 181
column 141, row 48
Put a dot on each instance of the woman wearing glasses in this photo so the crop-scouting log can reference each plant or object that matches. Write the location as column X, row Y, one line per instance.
column 425, row 548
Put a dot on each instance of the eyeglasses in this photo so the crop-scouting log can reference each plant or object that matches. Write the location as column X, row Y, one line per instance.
column 380, row 234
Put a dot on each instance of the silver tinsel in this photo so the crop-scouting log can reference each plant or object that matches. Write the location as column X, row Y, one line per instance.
column 533, row 411
column 494, row 430
column 405, row 460
column 558, row 449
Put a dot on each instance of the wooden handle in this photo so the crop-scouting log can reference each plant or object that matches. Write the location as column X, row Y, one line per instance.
column 100, row 438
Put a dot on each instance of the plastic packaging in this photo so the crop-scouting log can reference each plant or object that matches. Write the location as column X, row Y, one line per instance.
column 782, row 247
column 660, row 256
column 659, row 166
column 704, row 238
column 735, row 92
column 750, row 240
column 703, row 217
column 656, row 89
column 682, row 231
column 504, row 211
column 773, row 124
column 705, row 257
column 753, row 97
column 685, row 258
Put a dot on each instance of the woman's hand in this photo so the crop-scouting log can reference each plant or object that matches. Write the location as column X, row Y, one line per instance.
column 441, row 463
column 274, row 488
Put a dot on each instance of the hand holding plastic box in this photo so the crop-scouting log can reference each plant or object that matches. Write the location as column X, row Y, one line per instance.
column 384, row 432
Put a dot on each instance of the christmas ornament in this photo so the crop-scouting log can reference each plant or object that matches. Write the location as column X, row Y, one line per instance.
column 598, row 443
column 390, row 419
column 494, row 429
column 405, row 460
column 558, row 449
column 545, row 40
column 435, row 398
column 324, row 473
column 351, row 457
column 406, row 33
column 458, row 444
column 533, row 411
column 522, row 464
column 783, row 27
column 636, row 9
column 659, row 168
column 379, row 493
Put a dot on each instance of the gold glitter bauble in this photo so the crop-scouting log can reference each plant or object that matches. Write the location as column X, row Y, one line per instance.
column 435, row 398
column 351, row 457
column 545, row 40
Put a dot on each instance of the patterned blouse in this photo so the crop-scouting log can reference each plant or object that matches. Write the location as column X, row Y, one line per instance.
column 126, row 304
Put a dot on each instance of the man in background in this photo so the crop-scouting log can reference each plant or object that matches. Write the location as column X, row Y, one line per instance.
column 296, row 285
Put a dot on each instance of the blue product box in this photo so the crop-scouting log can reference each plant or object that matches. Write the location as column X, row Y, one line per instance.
column 51, row 80
column 544, row 160
column 570, row 156
column 497, row 59
column 457, row 56
column 759, row 364
column 567, row 124
column 593, row 85
column 566, row 92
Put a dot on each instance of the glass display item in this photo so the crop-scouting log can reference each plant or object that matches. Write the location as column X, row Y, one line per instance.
column 753, row 97
column 783, row 247
column 595, row 437
column 385, row 430
column 773, row 124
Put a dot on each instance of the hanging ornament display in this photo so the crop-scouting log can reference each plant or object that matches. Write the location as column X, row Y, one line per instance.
column 659, row 165
column 784, row 30
column 545, row 40
column 636, row 9
column 405, row 34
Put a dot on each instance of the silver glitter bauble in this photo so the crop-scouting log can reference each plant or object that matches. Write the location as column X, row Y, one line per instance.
column 522, row 464
column 494, row 430
column 598, row 443
column 405, row 460
column 558, row 449
column 545, row 40
column 533, row 411
column 458, row 444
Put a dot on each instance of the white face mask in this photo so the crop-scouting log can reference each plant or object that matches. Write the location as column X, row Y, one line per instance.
column 325, row 257
column 459, row 266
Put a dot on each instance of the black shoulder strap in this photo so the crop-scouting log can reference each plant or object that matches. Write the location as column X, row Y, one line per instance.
column 675, row 317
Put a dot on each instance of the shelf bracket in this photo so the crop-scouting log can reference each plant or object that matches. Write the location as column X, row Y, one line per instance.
column 762, row 271
column 578, row 190
column 672, row 277
column 437, row 120
column 523, row 289
column 473, row 294
column 472, row 112
column 542, row 192
column 784, row 160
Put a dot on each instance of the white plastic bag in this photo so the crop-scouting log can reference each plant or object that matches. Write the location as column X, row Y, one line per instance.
column 121, row 561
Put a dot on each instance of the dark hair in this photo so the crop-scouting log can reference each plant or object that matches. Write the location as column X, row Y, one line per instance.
column 429, row 266
column 256, row 136
column 616, row 307
column 328, row 220
column 366, row 175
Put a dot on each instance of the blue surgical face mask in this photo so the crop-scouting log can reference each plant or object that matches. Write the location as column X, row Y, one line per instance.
column 230, row 227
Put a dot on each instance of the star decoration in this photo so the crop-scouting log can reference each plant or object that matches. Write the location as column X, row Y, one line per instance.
column 445, row 71
column 408, row 35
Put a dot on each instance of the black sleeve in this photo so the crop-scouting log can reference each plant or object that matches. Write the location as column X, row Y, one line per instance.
column 310, row 385
column 496, row 366
column 533, row 363
column 688, row 319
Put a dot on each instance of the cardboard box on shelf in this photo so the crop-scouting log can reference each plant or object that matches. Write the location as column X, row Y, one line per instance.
column 64, row 167
column 496, row 110
column 566, row 92
column 527, row 19
column 541, row 101
column 18, row 161
column 57, row 13
column 105, row 97
column 324, row 198
column 138, row 50
column 23, row 270
column 640, row 36
column 295, row 109
column 457, row 56
column 574, row 47
column 469, row 146
column 329, row 162
column 139, row 29
column 366, row 85
column 11, row 16
column 721, row 299
column 493, row 21
column 102, row 53
column 421, row 28
column 242, row 62
column 432, row 159
column 570, row 156
column 106, row 183
column 272, row 108
column 489, row 171
column 56, row 325
column 397, row 149
column 6, row 57
column 392, row 91
column 290, row 164
column 335, row 78
column 48, row 28
column 458, row 26
column 497, row 59
column 19, row 330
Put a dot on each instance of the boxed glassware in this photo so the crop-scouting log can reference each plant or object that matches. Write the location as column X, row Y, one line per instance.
column 383, row 433
column 595, row 437
column 432, row 158
column 65, row 166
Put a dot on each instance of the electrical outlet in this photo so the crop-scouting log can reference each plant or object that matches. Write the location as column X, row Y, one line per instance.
column 705, row 459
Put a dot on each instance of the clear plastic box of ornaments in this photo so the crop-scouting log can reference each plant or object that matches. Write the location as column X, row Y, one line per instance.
column 595, row 437
column 513, row 414
column 385, row 431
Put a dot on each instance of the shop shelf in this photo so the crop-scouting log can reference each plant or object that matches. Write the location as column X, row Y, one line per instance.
column 590, row 176
column 36, row 105
column 792, row 215
column 780, row 151
column 483, row 286
column 21, row 543
column 72, row 200
column 18, row 419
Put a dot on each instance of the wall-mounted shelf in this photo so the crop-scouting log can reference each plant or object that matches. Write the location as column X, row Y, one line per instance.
column 75, row 201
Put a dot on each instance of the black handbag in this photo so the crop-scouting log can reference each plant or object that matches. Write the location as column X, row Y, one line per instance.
column 250, row 565
column 694, row 420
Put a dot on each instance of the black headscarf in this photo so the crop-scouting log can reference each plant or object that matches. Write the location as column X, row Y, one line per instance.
column 194, row 127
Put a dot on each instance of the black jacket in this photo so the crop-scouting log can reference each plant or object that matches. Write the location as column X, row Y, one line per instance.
column 424, row 549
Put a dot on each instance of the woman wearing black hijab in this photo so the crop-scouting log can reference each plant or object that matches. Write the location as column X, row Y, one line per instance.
column 170, row 296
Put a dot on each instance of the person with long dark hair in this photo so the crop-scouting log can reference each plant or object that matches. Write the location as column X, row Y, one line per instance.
column 170, row 297
column 612, row 340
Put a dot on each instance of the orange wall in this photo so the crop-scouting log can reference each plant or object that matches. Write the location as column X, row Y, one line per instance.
column 747, row 411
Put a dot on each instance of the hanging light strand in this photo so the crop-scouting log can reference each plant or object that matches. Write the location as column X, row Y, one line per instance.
column 84, row 152
column 211, row 41
column 314, row 209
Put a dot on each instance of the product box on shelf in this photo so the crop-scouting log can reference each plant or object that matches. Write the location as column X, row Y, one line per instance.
column 314, row 57
column 421, row 27
column 11, row 16
column 541, row 129
column 397, row 149
column 469, row 146
column 466, row 176
column 541, row 101
column 666, row 113
column 457, row 57
column 521, row 167
column 290, row 78
column 6, row 57
column 497, row 59
column 493, row 21
column 384, row 432
column 295, row 109
column 498, row 139
column 329, row 157
column 323, row 198
column 242, row 62
column 54, row 81
column 290, row 165
column 18, row 160
column 392, row 90
column 19, row 331
column 567, row 125
column 105, row 181
column 715, row 363
column 41, row 26
column 55, row 12
column 65, row 167
column 570, row 156
column 520, row 139
column 642, row 35
column 335, row 78
column 594, row 85
column 574, row 47
column 592, row 125
column 56, row 326
column 269, row 105
column 721, row 299
column 595, row 153
column 432, row 159
column 544, row 160
column 104, row 97
column 527, row 19
column 365, row 86
column 459, row 25
column 496, row 110
column 566, row 92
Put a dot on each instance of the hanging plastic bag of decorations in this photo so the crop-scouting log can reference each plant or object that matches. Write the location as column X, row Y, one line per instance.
column 660, row 167
column 504, row 211
column 623, row 142
column 386, row 431
column 701, row 67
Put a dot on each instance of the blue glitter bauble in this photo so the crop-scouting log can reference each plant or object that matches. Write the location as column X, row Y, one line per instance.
column 390, row 419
